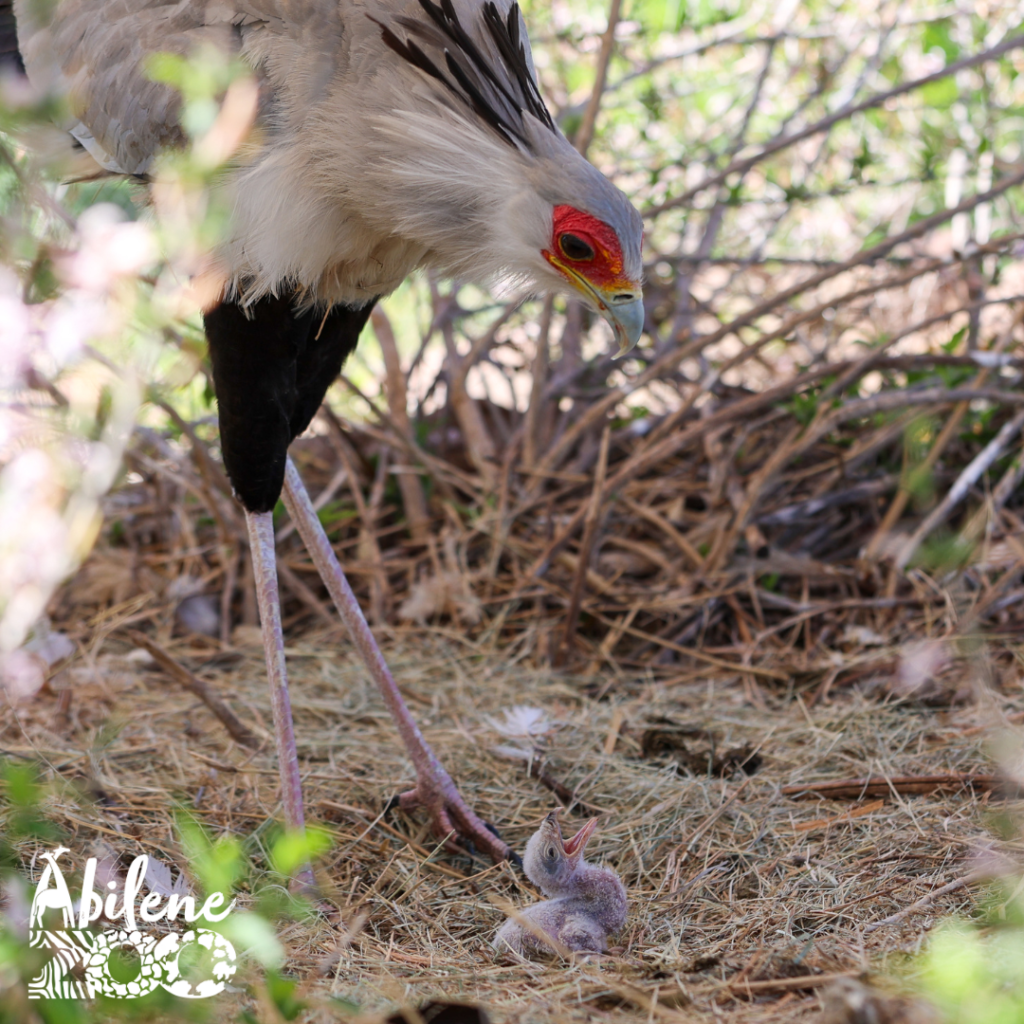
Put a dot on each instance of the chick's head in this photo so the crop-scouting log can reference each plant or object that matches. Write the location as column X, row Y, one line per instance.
column 553, row 863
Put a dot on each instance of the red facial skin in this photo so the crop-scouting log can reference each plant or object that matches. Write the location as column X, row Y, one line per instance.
column 605, row 270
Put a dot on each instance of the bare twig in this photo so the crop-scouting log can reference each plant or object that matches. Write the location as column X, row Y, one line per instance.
column 479, row 443
column 585, row 132
column 535, row 410
column 586, row 547
column 905, row 785
column 238, row 730
column 1001, row 494
column 806, row 981
column 879, row 99
column 413, row 498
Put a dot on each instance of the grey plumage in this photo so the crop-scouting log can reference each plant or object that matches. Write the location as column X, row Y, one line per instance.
column 366, row 165
column 587, row 903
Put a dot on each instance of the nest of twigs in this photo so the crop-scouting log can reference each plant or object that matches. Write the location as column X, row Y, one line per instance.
column 767, row 644
column 755, row 887
column 757, row 516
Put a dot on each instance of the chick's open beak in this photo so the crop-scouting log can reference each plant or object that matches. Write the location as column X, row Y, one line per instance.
column 574, row 846
column 622, row 305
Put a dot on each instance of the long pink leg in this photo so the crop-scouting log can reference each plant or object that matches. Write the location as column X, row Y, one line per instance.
column 435, row 791
column 261, row 543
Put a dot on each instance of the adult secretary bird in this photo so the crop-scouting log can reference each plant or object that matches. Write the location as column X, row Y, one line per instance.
column 394, row 134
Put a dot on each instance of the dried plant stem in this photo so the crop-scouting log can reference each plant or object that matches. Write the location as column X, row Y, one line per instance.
column 535, row 410
column 1001, row 494
column 369, row 547
column 236, row 728
column 857, row 789
column 585, row 132
column 480, row 445
column 413, row 498
column 967, row 479
column 593, row 517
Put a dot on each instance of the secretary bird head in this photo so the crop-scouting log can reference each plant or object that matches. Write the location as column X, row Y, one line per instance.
column 484, row 152
column 460, row 158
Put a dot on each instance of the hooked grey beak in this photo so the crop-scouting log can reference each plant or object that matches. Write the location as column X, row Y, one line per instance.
column 624, row 310
column 626, row 317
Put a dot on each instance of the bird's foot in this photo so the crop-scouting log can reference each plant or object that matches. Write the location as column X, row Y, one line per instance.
column 304, row 883
column 451, row 817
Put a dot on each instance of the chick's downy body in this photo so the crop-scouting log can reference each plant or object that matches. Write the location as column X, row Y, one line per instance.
column 586, row 903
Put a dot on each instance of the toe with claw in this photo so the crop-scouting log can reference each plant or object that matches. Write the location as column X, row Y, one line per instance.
column 451, row 818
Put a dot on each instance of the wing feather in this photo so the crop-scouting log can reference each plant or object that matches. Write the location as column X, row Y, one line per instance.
column 95, row 51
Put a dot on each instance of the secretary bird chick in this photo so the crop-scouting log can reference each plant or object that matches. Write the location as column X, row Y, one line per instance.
column 587, row 903
column 391, row 135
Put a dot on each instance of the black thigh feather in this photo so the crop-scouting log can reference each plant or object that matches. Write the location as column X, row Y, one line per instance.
column 10, row 55
column 272, row 367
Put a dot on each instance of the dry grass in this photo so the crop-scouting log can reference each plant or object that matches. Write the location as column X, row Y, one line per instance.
column 731, row 883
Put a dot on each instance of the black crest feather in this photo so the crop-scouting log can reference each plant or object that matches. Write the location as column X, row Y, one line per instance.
column 499, row 92
column 513, row 52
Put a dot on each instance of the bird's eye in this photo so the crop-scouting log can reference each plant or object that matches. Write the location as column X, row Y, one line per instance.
column 550, row 853
column 574, row 248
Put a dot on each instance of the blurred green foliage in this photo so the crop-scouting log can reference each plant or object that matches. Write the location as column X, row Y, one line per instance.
column 256, row 869
column 975, row 975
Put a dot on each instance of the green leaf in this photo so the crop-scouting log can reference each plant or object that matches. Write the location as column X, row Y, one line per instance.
column 943, row 554
column 61, row 1011
column 953, row 344
column 937, row 36
column 940, row 95
column 218, row 865
column 21, row 784
column 293, row 849
column 281, row 989
column 24, row 794
column 876, row 236
column 253, row 936
column 803, row 407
